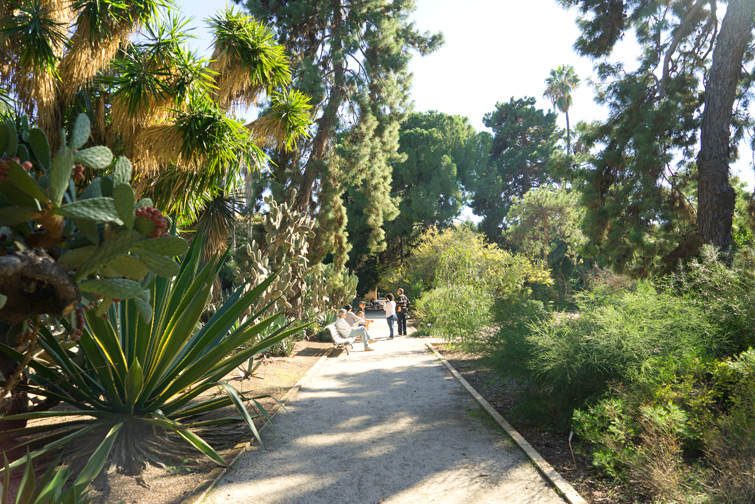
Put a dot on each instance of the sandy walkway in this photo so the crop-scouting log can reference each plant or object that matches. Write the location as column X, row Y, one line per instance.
column 389, row 426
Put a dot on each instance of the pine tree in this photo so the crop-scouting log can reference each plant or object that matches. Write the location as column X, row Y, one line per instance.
column 352, row 60
column 649, row 152
column 524, row 140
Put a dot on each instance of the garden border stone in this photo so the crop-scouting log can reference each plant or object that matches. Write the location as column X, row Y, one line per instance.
column 547, row 470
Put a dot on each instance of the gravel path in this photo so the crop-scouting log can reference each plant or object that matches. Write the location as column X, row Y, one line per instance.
column 389, row 426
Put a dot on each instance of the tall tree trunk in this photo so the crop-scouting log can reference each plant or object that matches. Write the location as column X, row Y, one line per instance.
column 327, row 122
column 568, row 133
column 716, row 197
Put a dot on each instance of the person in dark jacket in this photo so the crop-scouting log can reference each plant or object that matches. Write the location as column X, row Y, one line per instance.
column 402, row 307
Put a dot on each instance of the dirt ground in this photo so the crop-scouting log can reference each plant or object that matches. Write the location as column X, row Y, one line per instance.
column 552, row 445
column 172, row 484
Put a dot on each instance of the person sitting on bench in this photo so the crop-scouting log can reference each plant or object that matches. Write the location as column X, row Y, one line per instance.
column 356, row 319
column 345, row 330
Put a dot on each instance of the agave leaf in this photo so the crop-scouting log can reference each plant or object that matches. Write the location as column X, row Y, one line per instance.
column 26, row 487
column 201, row 445
column 134, row 383
column 233, row 394
column 98, row 459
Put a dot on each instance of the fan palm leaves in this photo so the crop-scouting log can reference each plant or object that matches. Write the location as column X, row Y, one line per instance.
column 134, row 386
column 560, row 84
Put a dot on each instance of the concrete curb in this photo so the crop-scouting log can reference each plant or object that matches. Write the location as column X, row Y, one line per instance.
column 199, row 492
column 547, row 470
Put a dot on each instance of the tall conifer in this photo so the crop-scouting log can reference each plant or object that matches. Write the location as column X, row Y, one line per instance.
column 352, row 59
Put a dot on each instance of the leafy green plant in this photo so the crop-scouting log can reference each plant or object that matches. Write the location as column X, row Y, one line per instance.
column 51, row 488
column 456, row 314
column 133, row 383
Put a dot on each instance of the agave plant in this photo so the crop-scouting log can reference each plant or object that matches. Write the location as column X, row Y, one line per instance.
column 53, row 487
column 134, row 386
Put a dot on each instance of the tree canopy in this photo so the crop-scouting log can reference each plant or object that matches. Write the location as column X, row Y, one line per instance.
column 352, row 60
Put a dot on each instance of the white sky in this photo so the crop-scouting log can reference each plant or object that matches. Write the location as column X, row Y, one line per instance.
column 494, row 49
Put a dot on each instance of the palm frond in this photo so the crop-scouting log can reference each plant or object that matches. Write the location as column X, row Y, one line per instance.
column 246, row 59
column 103, row 27
column 201, row 137
column 141, row 95
column 33, row 38
column 288, row 120
column 215, row 223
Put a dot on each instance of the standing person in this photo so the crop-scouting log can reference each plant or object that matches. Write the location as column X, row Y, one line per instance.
column 390, row 312
column 402, row 308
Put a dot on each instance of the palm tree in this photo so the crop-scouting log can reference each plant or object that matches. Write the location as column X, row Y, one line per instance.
column 559, row 86
column 163, row 106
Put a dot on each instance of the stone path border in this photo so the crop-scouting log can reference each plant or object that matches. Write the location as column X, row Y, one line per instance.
column 547, row 470
column 199, row 492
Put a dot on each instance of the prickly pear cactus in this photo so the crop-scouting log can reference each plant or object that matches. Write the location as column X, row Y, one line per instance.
column 282, row 247
column 71, row 228
column 330, row 288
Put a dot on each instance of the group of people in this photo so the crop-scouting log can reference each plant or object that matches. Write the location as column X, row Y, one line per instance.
column 354, row 325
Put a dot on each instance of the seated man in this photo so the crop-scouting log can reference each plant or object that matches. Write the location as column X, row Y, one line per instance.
column 345, row 330
column 361, row 312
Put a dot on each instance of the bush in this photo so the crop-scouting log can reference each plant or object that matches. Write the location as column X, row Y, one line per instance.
column 567, row 359
column 726, row 293
column 455, row 314
column 697, row 410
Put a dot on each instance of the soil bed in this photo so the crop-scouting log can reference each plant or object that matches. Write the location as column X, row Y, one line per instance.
column 552, row 445
column 171, row 485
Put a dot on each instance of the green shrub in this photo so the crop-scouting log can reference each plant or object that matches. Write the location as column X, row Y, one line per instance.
column 730, row 441
column 682, row 428
column 568, row 358
column 456, row 314
column 726, row 292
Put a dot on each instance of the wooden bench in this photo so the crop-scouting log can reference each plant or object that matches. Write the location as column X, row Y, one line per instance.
column 339, row 342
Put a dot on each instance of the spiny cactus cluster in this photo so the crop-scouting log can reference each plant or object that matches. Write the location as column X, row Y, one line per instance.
column 282, row 248
column 330, row 288
column 97, row 236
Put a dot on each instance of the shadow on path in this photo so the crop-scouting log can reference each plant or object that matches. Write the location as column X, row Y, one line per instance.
column 390, row 426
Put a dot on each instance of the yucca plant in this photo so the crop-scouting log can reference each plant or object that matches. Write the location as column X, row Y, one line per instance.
column 133, row 386
column 52, row 487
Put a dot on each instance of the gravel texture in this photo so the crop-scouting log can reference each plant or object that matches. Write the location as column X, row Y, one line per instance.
column 389, row 426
